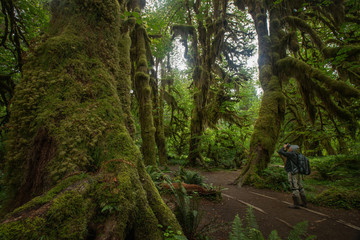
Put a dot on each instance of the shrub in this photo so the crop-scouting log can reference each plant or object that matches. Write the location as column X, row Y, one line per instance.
column 339, row 197
column 274, row 178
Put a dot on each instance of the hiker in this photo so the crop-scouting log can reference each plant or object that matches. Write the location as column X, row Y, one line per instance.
column 289, row 154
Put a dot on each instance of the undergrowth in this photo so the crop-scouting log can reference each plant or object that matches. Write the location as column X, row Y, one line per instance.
column 250, row 230
column 189, row 177
column 334, row 182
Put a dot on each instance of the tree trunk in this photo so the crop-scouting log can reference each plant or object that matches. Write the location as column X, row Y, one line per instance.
column 143, row 95
column 158, row 97
column 272, row 109
column 124, row 80
column 68, row 142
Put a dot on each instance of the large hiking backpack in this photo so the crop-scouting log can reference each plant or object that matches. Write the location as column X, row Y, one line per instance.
column 303, row 165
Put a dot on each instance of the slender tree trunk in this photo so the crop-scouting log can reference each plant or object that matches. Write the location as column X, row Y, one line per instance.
column 197, row 114
column 272, row 109
column 143, row 95
column 159, row 117
column 69, row 144
column 124, row 80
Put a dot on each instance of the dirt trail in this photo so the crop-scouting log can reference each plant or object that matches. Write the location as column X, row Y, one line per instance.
column 272, row 212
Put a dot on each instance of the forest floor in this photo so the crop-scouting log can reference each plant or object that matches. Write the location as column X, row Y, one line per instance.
column 272, row 212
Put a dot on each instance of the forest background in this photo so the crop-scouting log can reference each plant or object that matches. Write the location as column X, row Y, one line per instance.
column 191, row 97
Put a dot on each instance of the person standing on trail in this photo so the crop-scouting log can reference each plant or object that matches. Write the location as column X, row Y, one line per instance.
column 289, row 154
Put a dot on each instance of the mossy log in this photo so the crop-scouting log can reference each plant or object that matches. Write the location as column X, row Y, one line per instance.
column 72, row 169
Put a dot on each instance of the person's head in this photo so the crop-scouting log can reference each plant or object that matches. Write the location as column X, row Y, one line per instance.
column 293, row 148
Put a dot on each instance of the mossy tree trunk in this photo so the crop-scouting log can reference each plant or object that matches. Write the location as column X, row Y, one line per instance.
column 207, row 42
column 158, row 99
column 272, row 109
column 143, row 90
column 72, row 168
column 124, row 79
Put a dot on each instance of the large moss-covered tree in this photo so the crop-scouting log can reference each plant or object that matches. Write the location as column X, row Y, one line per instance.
column 281, row 58
column 72, row 168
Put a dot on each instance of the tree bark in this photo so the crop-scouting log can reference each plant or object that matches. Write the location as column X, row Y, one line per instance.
column 143, row 95
column 272, row 109
column 158, row 96
column 69, row 144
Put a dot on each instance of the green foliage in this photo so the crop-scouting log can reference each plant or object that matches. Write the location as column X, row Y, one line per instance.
column 337, row 167
column 187, row 212
column 157, row 176
column 335, row 181
column 251, row 230
column 273, row 177
column 190, row 177
column 169, row 234
column 339, row 197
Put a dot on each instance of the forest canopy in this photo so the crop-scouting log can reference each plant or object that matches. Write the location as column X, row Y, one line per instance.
column 92, row 91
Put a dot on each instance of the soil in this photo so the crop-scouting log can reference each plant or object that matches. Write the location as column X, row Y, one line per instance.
column 272, row 212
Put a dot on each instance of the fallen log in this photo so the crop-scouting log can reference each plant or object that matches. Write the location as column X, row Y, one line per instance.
column 191, row 188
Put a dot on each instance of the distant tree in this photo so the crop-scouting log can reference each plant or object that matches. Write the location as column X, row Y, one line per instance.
column 20, row 21
column 213, row 46
column 281, row 57
column 141, row 58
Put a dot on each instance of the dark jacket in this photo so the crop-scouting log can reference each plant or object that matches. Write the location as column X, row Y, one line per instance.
column 291, row 160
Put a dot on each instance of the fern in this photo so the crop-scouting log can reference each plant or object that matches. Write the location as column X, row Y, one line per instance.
column 274, row 235
column 190, row 177
column 237, row 229
column 299, row 230
column 252, row 232
column 186, row 211
column 251, row 220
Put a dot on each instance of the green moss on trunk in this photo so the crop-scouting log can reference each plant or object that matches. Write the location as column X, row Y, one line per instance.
column 92, row 182
column 143, row 95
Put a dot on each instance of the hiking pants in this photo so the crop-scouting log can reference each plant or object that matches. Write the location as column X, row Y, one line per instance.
column 296, row 185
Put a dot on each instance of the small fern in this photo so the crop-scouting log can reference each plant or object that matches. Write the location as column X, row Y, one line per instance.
column 252, row 232
column 237, row 229
column 190, row 177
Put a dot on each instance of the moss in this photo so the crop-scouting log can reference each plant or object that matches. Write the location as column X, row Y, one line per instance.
column 339, row 198
column 77, row 100
column 24, row 229
column 41, row 200
column 68, row 216
column 68, row 87
column 65, row 215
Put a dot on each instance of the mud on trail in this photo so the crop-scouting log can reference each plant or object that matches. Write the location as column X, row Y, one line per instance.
column 272, row 212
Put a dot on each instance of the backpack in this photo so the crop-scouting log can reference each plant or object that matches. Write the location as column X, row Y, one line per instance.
column 303, row 165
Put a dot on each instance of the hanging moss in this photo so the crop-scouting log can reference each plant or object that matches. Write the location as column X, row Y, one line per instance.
column 303, row 26
column 321, row 84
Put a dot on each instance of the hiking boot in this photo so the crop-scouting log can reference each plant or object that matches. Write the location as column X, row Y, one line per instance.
column 296, row 203
column 303, row 201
